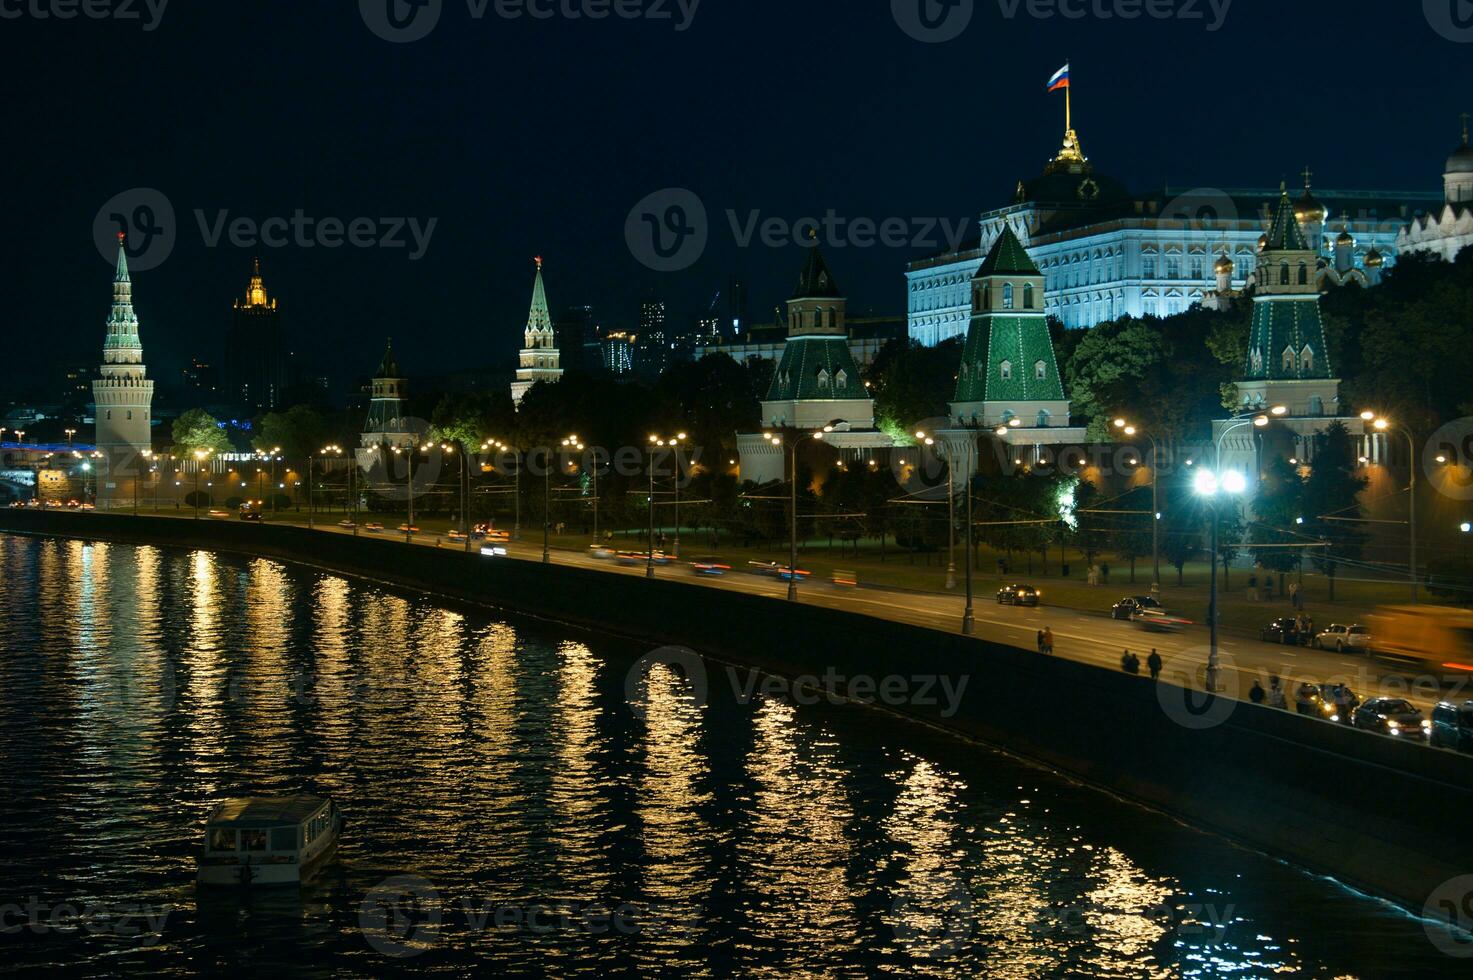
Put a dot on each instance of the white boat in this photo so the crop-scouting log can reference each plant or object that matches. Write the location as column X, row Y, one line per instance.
column 256, row 840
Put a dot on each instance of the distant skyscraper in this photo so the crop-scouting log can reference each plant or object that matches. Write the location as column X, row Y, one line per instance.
column 123, row 395
column 736, row 308
column 539, row 357
column 573, row 331
column 652, row 343
column 201, row 381
column 618, row 353
column 76, row 388
column 255, row 351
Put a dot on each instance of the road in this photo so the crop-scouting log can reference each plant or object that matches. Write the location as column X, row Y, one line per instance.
column 1093, row 638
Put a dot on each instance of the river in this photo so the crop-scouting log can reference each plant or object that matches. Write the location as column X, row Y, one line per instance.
column 508, row 808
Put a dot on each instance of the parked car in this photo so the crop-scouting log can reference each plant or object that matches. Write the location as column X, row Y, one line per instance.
column 1285, row 630
column 1452, row 726
column 1392, row 716
column 1018, row 594
column 1340, row 637
column 1132, row 604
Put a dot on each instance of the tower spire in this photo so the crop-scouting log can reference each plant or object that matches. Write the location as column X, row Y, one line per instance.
column 122, row 269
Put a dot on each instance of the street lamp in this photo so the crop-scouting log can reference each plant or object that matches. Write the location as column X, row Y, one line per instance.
column 673, row 444
column 1381, row 424
column 69, row 434
column 1127, row 429
column 926, row 440
column 576, row 444
column 790, row 433
column 147, row 455
column 465, row 483
column 200, row 455
column 1212, row 486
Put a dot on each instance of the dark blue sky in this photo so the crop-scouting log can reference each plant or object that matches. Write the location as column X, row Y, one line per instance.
column 525, row 137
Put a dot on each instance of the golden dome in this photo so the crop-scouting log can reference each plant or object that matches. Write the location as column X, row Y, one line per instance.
column 1374, row 259
column 1262, row 242
column 1223, row 265
column 1345, row 238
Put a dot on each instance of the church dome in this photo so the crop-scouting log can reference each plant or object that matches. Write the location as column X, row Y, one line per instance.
column 1262, row 242
column 1461, row 161
column 1308, row 209
column 1374, row 259
column 1223, row 265
column 1345, row 238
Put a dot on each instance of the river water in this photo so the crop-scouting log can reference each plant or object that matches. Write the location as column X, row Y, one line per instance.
column 508, row 809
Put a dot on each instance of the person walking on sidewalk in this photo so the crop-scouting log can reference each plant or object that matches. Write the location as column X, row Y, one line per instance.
column 1048, row 640
column 1257, row 694
column 1153, row 664
column 1130, row 663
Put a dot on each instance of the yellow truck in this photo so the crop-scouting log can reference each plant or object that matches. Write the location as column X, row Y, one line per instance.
column 1440, row 636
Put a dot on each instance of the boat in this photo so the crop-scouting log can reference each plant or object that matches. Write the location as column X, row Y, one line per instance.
column 259, row 840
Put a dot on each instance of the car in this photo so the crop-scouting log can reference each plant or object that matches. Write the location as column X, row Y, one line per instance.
column 776, row 570
column 1452, row 726
column 1018, row 594
column 346, row 525
column 1284, row 630
column 601, row 551
column 493, row 550
column 1340, row 637
column 1128, row 606
column 1396, row 717
column 642, row 558
column 249, row 511
column 373, row 527
column 709, row 565
column 1332, row 702
column 1158, row 621
column 408, row 529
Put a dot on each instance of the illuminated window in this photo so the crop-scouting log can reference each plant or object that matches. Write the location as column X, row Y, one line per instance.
column 1040, row 371
column 1006, row 369
column 1304, row 274
column 1007, row 296
column 1028, row 296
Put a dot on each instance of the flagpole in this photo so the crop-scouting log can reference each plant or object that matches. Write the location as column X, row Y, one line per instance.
column 1069, row 102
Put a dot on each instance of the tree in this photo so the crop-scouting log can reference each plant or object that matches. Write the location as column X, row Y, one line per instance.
column 1278, row 505
column 300, row 432
column 1331, row 501
column 197, row 430
column 912, row 383
column 469, row 419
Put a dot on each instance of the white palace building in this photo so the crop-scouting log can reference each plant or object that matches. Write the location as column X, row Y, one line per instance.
column 1106, row 252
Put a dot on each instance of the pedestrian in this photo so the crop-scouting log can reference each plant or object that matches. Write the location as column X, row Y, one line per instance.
column 1132, row 663
column 1105, row 572
column 1257, row 694
column 1296, row 597
column 1276, row 697
column 1040, row 641
column 1252, row 588
column 1125, row 661
column 1153, row 664
column 1048, row 640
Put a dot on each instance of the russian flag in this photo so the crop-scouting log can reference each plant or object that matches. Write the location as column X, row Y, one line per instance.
column 1060, row 79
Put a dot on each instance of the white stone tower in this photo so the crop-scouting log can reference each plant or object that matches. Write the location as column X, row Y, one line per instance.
column 123, row 394
column 539, row 358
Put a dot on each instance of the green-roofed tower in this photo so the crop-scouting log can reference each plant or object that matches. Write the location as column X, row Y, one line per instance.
column 1008, row 370
column 817, row 380
column 539, row 360
column 1288, row 362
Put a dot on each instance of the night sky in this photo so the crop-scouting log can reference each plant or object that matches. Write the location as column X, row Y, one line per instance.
column 528, row 137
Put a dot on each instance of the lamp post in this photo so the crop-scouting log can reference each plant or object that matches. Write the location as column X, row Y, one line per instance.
column 1382, row 425
column 950, row 516
column 576, row 444
column 200, row 455
column 547, row 507
column 1211, row 485
column 1130, row 430
column 790, row 434
column 147, row 455
column 69, row 434
column 465, row 518
column 649, row 568
column 673, row 444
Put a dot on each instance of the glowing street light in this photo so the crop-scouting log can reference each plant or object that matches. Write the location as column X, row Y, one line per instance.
column 1214, row 487
column 1382, row 424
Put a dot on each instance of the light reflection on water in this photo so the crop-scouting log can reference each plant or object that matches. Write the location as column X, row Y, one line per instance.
column 498, row 761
